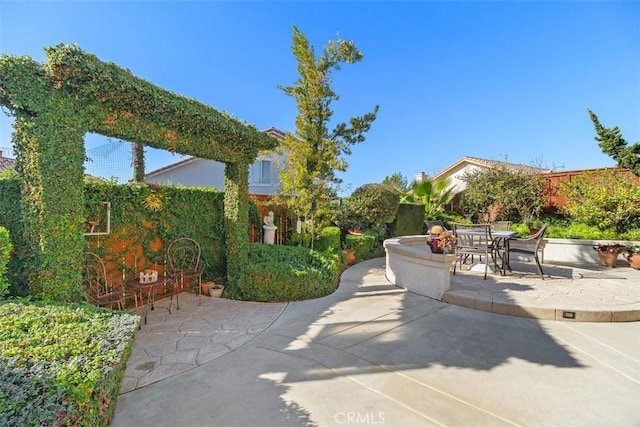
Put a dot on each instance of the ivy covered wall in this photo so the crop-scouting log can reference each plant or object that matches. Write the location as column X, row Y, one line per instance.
column 144, row 219
column 72, row 93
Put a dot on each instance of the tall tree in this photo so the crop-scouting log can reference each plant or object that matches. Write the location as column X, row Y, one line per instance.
column 314, row 153
column 614, row 145
column 398, row 181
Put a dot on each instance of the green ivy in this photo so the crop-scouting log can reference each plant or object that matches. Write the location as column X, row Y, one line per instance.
column 5, row 252
column 56, row 103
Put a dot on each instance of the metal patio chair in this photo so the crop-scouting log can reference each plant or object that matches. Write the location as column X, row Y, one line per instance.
column 184, row 264
column 98, row 289
column 532, row 245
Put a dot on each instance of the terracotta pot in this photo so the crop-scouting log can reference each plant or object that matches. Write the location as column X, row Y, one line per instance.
column 634, row 261
column 206, row 286
column 350, row 256
column 608, row 259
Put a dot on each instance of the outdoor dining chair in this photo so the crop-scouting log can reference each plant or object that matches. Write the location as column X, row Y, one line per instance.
column 532, row 245
column 98, row 289
column 184, row 264
column 472, row 240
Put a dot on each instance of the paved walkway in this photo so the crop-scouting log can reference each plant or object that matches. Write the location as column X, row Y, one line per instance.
column 372, row 353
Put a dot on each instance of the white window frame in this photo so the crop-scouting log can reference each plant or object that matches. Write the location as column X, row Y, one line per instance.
column 260, row 173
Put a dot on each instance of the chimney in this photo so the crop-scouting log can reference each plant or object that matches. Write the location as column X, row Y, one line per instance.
column 421, row 177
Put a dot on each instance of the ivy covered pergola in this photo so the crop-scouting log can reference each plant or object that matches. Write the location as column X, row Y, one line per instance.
column 56, row 103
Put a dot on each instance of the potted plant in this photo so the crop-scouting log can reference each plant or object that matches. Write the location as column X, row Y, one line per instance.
column 441, row 242
column 608, row 253
column 633, row 256
column 216, row 290
column 349, row 251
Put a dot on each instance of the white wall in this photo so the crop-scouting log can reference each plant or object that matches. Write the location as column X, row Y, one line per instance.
column 209, row 173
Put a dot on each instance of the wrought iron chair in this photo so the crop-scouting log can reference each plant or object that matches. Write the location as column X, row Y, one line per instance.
column 184, row 264
column 99, row 290
column 532, row 245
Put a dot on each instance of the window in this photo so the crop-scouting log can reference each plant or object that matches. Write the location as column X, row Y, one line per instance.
column 260, row 172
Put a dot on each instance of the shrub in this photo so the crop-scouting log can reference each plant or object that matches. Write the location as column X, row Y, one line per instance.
column 372, row 204
column 606, row 199
column 5, row 253
column 372, row 208
column 364, row 245
column 499, row 192
column 286, row 273
column 62, row 365
column 409, row 220
column 328, row 239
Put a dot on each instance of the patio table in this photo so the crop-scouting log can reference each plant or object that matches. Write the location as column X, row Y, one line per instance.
column 145, row 293
column 500, row 246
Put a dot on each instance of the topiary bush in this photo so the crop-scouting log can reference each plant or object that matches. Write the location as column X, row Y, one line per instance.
column 409, row 220
column 328, row 239
column 363, row 244
column 286, row 273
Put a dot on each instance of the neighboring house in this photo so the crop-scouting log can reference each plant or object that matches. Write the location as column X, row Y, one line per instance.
column 6, row 163
column 454, row 173
column 195, row 172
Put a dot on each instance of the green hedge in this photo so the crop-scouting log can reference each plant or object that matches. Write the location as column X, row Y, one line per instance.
column 62, row 365
column 5, row 252
column 409, row 220
column 328, row 239
column 11, row 219
column 286, row 273
column 363, row 244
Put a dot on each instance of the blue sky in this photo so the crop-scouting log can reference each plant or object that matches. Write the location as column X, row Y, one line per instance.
column 453, row 79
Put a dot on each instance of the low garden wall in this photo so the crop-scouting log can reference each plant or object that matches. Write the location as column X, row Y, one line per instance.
column 575, row 251
column 411, row 265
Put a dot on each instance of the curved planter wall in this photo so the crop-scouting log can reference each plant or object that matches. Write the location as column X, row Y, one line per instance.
column 412, row 266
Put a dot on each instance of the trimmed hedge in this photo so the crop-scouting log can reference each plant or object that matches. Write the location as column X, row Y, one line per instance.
column 62, row 365
column 286, row 273
column 5, row 253
column 363, row 244
column 328, row 239
column 409, row 220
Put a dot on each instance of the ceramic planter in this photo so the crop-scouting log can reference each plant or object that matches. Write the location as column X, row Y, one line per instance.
column 216, row 291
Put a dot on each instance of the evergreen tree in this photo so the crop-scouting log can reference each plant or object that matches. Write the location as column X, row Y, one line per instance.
column 613, row 144
column 314, row 153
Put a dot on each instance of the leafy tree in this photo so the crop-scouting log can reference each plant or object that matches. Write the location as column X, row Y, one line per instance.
column 499, row 192
column 433, row 195
column 313, row 153
column 614, row 145
column 606, row 199
column 397, row 181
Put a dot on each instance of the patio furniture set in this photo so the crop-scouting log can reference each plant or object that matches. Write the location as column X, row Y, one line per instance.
column 183, row 272
column 492, row 243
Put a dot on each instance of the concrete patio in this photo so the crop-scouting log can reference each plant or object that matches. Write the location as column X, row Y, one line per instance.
column 372, row 353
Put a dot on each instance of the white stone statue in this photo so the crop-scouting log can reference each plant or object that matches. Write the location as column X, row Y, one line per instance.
column 268, row 219
column 269, row 229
